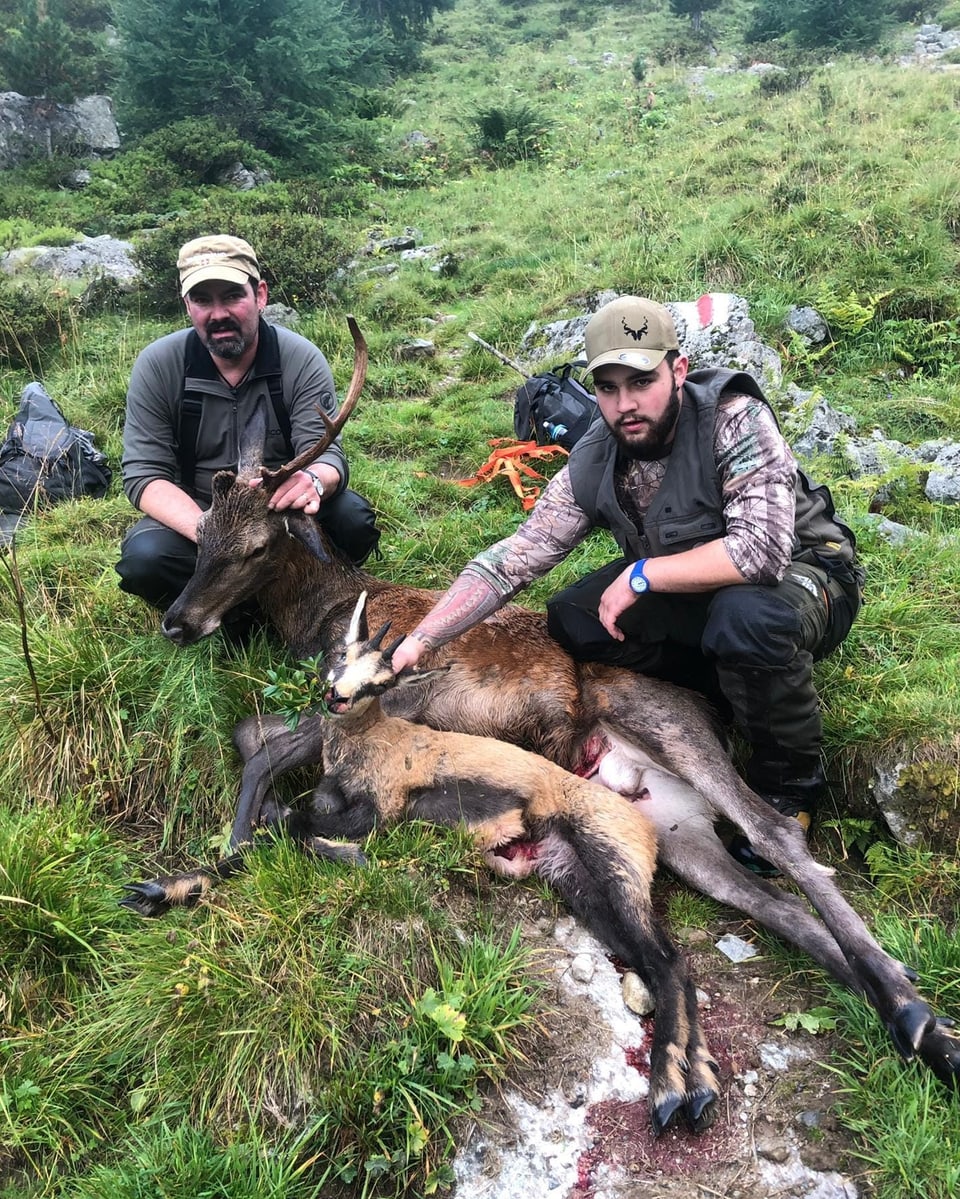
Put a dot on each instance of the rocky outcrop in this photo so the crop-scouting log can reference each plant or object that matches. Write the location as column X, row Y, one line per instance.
column 86, row 260
column 32, row 127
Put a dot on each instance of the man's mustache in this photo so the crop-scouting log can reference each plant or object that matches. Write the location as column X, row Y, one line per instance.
column 223, row 327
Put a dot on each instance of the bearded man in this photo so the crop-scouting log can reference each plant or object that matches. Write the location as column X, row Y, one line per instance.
column 735, row 574
column 190, row 396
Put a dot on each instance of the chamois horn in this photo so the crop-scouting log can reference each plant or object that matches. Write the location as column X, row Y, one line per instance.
column 273, row 478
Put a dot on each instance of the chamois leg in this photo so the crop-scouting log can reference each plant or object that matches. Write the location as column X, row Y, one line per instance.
column 839, row 941
column 689, row 846
column 269, row 749
column 155, row 897
column 602, row 870
column 277, row 755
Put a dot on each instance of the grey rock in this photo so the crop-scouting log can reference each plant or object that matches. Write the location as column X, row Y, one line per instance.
column 807, row 323
column 416, row 139
column 33, row 127
column 821, row 425
column 281, row 314
column 84, row 260
column 418, row 348
column 636, row 994
column 446, row 266
column 243, row 178
column 76, row 181
column 890, row 530
column 419, row 254
column 943, row 482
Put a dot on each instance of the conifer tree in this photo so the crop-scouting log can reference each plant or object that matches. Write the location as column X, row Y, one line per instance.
column 278, row 72
column 53, row 48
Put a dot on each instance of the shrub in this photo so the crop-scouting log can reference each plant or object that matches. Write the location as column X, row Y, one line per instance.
column 32, row 322
column 949, row 16
column 298, row 254
column 638, row 68
column 779, row 83
column 166, row 167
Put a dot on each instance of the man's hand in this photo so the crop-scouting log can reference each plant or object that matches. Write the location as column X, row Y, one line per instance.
column 301, row 491
column 408, row 653
column 615, row 601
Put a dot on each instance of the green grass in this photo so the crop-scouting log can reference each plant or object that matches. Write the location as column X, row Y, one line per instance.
column 313, row 1029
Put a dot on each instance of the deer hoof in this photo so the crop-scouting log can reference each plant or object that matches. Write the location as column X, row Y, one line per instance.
column 146, row 899
column 940, row 1050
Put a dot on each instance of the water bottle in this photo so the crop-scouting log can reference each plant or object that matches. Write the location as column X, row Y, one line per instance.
column 555, row 432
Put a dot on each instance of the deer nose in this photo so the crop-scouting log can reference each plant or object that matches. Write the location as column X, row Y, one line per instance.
column 174, row 631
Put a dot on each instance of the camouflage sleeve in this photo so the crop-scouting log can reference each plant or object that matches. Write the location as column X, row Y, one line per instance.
column 554, row 527
column 758, row 475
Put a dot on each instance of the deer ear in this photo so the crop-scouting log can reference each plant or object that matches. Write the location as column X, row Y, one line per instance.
column 223, row 480
column 252, row 441
column 307, row 532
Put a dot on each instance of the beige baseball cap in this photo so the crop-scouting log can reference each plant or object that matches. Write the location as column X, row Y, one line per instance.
column 230, row 259
column 631, row 331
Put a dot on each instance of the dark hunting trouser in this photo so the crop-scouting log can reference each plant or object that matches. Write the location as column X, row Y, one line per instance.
column 749, row 649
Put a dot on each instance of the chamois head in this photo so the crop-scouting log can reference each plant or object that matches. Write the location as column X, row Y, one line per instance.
column 240, row 540
column 362, row 670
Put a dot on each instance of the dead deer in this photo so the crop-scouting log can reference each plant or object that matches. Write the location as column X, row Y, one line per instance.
column 508, row 679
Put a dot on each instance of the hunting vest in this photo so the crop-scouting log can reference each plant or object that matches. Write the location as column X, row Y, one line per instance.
column 687, row 509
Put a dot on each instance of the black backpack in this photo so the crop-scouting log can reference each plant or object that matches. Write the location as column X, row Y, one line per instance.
column 553, row 408
column 45, row 459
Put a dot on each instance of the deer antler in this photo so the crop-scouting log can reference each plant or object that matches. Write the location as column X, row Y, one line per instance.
column 273, row 478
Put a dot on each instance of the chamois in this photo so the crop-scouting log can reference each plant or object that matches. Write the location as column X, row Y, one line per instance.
column 508, row 679
column 598, row 851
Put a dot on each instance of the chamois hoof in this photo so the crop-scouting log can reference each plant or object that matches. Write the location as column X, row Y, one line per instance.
column 664, row 1113
column 146, row 899
column 700, row 1110
column 697, row 1107
column 335, row 851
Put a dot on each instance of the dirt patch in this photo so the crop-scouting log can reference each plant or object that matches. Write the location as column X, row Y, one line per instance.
column 576, row 1124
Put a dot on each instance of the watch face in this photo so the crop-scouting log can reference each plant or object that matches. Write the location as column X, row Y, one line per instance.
column 638, row 584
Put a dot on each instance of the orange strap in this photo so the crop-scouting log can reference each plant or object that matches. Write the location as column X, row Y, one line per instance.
column 508, row 458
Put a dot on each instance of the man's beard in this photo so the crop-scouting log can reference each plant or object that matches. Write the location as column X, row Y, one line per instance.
column 232, row 349
column 657, row 436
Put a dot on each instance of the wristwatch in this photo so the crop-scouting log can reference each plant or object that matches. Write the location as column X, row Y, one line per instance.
column 317, row 485
column 639, row 583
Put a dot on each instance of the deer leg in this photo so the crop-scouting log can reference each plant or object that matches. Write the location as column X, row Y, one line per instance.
column 839, row 941
column 602, row 885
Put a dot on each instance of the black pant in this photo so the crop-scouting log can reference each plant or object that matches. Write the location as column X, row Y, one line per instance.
column 750, row 649
column 156, row 563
